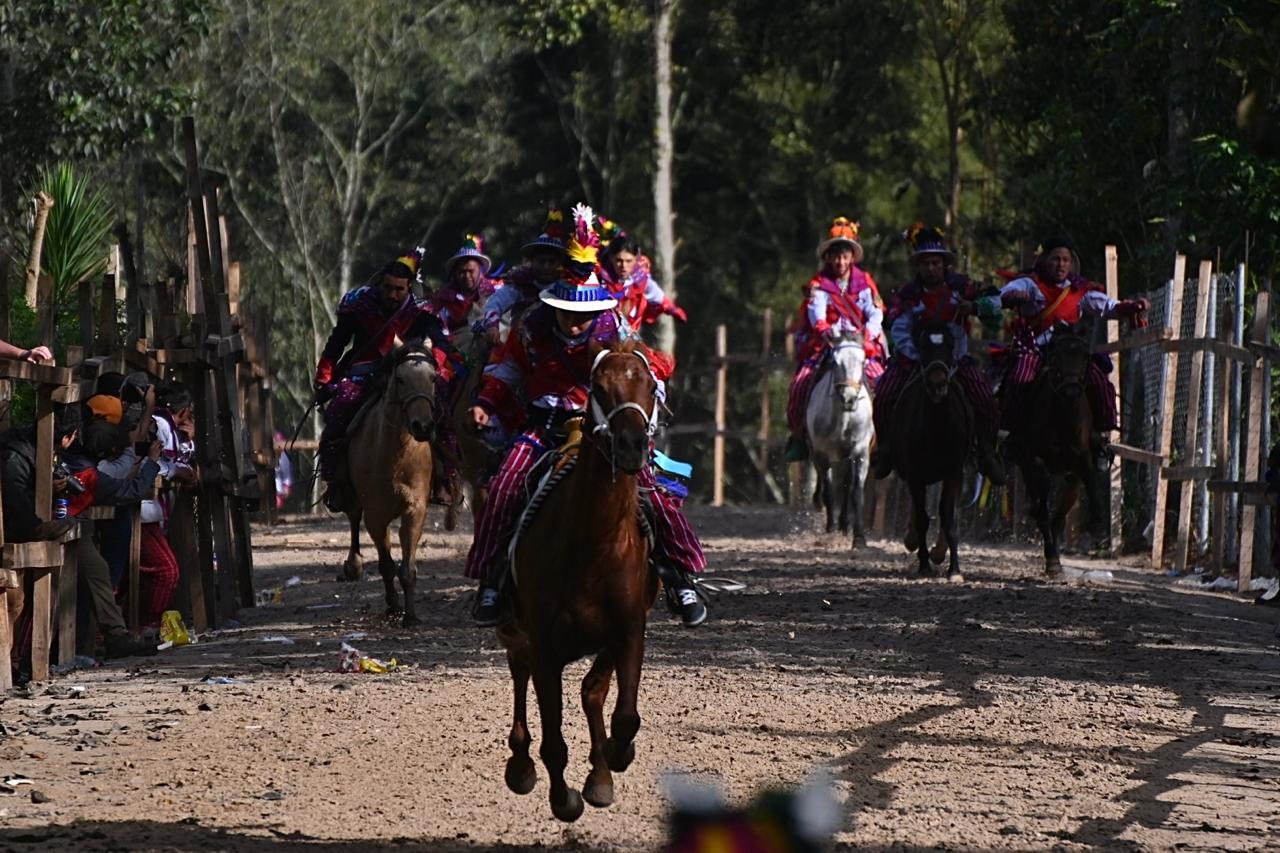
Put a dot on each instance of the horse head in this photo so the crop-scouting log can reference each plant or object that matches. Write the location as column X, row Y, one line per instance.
column 624, row 406
column 411, row 390
column 1066, row 359
column 937, row 347
column 848, row 361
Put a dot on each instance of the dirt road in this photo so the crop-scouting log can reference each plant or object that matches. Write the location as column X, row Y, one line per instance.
column 1004, row 713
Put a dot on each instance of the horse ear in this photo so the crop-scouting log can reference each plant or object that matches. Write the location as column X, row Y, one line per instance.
column 396, row 343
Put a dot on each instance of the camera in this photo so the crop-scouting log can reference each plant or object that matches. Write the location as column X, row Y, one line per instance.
column 62, row 472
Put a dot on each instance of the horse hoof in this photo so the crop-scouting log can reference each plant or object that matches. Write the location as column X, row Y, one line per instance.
column 450, row 518
column 570, row 809
column 1053, row 570
column 938, row 555
column 598, row 794
column 618, row 761
column 926, row 570
column 955, row 577
column 911, row 542
column 521, row 775
column 350, row 572
column 411, row 621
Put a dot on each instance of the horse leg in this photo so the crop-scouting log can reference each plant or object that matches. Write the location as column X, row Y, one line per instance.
column 1037, row 480
column 828, row 497
column 947, row 524
column 857, row 487
column 939, row 550
column 566, row 803
column 598, row 791
column 353, row 568
column 920, row 511
column 1070, row 494
column 521, row 775
column 844, row 484
column 620, row 748
column 410, row 533
column 386, row 565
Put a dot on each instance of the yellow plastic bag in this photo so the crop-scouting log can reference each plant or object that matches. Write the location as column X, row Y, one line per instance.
column 172, row 630
column 376, row 666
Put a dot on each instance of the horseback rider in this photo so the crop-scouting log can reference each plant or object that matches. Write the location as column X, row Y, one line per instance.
column 466, row 283
column 370, row 319
column 547, row 360
column 544, row 258
column 625, row 272
column 1052, row 293
column 937, row 294
column 840, row 299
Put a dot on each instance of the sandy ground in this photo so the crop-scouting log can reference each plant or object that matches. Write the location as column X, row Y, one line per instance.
column 1004, row 713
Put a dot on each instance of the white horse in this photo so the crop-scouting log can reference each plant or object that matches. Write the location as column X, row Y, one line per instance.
column 840, row 429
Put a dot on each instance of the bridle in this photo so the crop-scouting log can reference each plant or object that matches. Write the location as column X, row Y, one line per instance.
column 413, row 357
column 856, row 384
column 1058, row 380
column 604, row 420
column 947, row 366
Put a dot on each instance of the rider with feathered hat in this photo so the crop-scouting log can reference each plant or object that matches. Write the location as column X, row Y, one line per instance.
column 547, row 361
column 544, row 258
column 370, row 319
column 841, row 298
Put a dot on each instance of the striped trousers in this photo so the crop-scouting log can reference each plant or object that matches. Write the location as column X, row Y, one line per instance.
column 158, row 574
column 972, row 384
column 1022, row 369
column 807, row 376
column 674, row 537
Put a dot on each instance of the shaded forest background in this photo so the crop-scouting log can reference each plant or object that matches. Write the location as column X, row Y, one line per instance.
column 348, row 131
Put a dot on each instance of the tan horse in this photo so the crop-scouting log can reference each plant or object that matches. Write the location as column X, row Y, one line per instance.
column 389, row 465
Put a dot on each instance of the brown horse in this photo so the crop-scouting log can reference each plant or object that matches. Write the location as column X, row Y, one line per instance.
column 583, row 585
column 389, row 465
column 1057, row 436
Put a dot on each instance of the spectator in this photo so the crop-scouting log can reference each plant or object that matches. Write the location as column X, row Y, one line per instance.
column 116, row 534
column 284, row 471
column 159, row 565
column 104, row 490
column 36, row 355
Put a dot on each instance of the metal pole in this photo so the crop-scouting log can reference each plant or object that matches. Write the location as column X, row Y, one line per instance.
column 1232, row 550
column 1206, row 407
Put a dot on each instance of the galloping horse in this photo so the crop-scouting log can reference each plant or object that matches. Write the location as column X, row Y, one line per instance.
column 583, row 585
column 1059, row 429
column 933, row 433
column 389, row 465
column 839, row 423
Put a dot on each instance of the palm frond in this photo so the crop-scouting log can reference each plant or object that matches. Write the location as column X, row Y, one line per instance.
column 78, row 230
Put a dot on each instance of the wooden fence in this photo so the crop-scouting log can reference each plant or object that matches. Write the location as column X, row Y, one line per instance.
column 192, row 330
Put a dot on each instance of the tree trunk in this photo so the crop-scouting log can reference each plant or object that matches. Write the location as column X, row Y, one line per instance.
column 43, row 205
column 664, row 238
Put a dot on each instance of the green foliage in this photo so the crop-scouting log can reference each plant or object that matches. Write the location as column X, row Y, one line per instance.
column 75, row 239
column 91, row 78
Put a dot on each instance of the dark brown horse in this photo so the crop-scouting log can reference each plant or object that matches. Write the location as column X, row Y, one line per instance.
column 583, row 586
column 933, row 432
column 1057, row 435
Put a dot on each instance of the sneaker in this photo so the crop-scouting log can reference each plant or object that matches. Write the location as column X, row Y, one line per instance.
column 797, row 450
column 486, row 613
column 125, row 645
column 690, row 607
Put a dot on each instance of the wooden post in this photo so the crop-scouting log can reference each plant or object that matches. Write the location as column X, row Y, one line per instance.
column 135, row 568
column 1221, row 460
column 42, row 600
column 1169, row 396
column 68, row 581
column 44, row 203
column 1113, row 335
column 84, row 298
column 722, row 391
column 1258, row 409
column 106, row 342
column 766, row 373
column 1191, row 433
